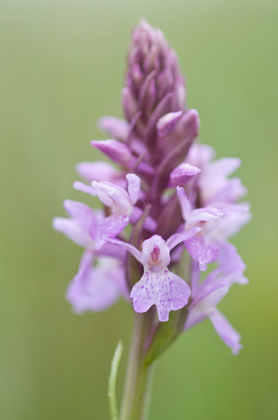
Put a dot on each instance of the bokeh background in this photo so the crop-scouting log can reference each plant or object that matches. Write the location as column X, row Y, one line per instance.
column 62, row 66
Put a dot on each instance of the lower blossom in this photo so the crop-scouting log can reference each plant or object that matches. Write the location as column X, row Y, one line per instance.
column 158, row 286
column 95, row 288
column 205, row 298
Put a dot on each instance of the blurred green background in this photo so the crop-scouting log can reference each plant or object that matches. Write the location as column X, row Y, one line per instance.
column 62, row 66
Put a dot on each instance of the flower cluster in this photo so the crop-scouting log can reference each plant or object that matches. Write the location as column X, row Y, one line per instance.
column 175, row 198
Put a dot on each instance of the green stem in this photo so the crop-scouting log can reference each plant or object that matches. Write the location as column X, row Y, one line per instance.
column 138, row 378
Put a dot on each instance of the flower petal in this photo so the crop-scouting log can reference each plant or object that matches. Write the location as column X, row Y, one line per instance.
column 115, row 150
column 87, row 189
column 205, row 214
column 164, row 289
column 134, row 251
column 200, row 154
column 115, row 127
column 209, row 292
column 133, row 182
column 182, row 174
column 194, row 317
column 231, row 264
column 80, row 211
column 72, row 229
column 177, row 238
column 112, row 196
column 109, row 228
column 225, row 330
column 184, row 203
column 96, row 288
column 166, row 123
column 203, row 250
column 98, row 171
column 222, row 167
column 235, row 216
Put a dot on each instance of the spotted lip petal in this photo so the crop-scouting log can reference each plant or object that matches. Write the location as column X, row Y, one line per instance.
column 164, row 289
column 158, row 286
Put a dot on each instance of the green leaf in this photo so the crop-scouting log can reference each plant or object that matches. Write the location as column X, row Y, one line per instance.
column 112, row 382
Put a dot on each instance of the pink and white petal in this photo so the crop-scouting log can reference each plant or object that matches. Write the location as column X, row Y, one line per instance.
column 82, row 213
column 200, row 154
column 72, row 229
column 74, row 293
column 130, row 248
column 96, row 288
column 115, row 127
column 232, row 222
column 202, row 250
column 77, row 209
column 231, row 191
column 184, row 203
column 231, row 264
column 205, row 214
column 86, row 263
column 222, row 168
column 216, row 294
column 107, row 286
column 164, row 289
column 98, row 171
column 109, row 228
column 115, row 150
column 225, row 331
column 211, row 292
column 194, row 317
column 177, row 238
column 179, row 291
column 87, row 189
column 182, row 174
column 111, row 250
column 115, row 225
column 133, row 186
column 166, row 123
column 112, row 196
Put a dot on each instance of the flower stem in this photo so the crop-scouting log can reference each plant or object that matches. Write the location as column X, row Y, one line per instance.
column 138, row 379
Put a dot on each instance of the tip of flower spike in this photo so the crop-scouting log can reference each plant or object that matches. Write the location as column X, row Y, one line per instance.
column 148, row 28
